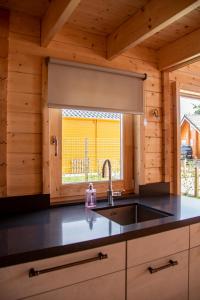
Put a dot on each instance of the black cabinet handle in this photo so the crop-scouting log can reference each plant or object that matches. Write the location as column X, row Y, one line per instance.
column 100, row 256
column 171, row 263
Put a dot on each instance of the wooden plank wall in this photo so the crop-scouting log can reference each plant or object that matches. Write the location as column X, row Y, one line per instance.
column 24, row 96
column 24, row 112
column 4, row 30
column 187, row 78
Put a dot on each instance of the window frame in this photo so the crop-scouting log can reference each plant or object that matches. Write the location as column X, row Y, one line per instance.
column 76, row 191
column 186, row 90
column 133, row 157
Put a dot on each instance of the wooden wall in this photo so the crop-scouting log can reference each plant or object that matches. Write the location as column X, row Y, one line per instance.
column 24, row 111
column 188, row 77
column 4, row 29
column 24, row 96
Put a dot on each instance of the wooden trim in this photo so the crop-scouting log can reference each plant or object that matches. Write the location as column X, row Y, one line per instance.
column 3, row 145
column 176, row 87
column 181, row 52
column 55, row 125
column 45, row 130
column 128, row 152
column 183, row 64
column 190, row 94
column 190, row 87
column 4, row 32
column 81, row 198
column 153, row 17
column 76, row 191
column 56, row 16
column 177, row 138
column 166, row 127
column 139, row 151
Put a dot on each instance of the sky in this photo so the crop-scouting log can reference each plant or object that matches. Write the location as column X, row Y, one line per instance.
column 187, row 105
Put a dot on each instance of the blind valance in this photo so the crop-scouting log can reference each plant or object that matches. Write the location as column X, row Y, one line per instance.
column 85, row 86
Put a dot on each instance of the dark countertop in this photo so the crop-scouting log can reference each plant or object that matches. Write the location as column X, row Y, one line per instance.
column 60, row 230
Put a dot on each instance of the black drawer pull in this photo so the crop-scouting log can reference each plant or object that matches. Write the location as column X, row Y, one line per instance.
column 171, row 263
column 100, row 256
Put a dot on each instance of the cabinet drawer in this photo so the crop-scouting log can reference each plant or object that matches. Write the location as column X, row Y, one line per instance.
column 158, row 245
column 194, row 274
column 15, row 282
column 169, row 283
column 111, row 287
column 194, row 235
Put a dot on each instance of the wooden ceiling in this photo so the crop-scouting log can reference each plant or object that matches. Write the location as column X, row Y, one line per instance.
column 104, row 16
column 32, row 7
column 176, row 30
column 172, row 27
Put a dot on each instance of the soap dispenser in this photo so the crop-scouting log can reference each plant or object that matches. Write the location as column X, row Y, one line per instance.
column 90, row 199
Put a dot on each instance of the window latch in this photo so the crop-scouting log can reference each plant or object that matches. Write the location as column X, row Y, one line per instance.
column 54, row 141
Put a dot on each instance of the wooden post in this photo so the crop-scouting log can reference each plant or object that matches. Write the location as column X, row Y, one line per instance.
column 45, row 130
column 128, row 152
column 4, row 32
column 166, row 127
column 177, row 138
column 86, row 159
column 196, row 182
column 139, row 151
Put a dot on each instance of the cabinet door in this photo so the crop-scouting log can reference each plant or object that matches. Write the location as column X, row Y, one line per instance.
column 155, row 246
column 170, row 283
column 110, row 287
column 194, row 235
column 194, row 274
column 15, row 282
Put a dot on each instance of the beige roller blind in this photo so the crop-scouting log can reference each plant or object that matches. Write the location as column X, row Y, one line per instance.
column 91, row 87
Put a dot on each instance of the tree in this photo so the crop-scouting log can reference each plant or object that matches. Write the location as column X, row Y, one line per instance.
column 197, row 109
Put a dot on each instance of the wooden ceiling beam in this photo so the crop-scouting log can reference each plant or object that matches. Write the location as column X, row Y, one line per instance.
column 153, row 17
column 56, row 16
column 180, row 52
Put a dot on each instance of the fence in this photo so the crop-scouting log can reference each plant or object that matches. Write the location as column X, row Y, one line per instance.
column 82, row 158
column 190, row 174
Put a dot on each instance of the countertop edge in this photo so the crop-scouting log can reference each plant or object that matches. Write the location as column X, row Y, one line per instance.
column 19, row 258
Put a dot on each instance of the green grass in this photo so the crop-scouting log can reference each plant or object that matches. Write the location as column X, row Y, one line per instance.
column 81, row 178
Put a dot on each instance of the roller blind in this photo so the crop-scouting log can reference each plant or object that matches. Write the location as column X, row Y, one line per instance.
column 91, row 87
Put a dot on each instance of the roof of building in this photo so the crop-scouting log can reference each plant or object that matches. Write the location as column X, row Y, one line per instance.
column 72, row 113
column 193, row 119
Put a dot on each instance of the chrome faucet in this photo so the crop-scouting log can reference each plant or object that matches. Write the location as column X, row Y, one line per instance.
column 110, row 190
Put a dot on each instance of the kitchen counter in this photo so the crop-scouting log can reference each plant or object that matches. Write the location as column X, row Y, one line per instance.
column 65, row 229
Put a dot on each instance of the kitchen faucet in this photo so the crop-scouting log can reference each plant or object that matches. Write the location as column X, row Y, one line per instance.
column 110, row 190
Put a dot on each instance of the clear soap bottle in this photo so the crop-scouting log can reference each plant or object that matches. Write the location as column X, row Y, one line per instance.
column 90, row 199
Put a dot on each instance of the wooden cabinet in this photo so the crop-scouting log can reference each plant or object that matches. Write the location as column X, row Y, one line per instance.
column 194, row 262
column 158, row 245
column 157, row 268
column 167, row 254
column 111, row 287
column 170, row 282
column 15, row 282
column 194, row 235
column 194, row 274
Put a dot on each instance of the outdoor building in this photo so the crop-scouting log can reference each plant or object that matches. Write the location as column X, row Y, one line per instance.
column 190, row 133
column 88, row 138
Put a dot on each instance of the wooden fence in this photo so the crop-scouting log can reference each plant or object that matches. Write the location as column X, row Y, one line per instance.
column 190, row 173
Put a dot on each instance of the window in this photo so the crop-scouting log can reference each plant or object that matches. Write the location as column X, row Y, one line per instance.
column 80, row 142
column 88, row 139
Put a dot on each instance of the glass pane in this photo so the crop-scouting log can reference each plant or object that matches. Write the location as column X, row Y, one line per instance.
column 88, row 138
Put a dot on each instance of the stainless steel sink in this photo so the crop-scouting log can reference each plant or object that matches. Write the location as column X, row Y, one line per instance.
column 132, row 213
